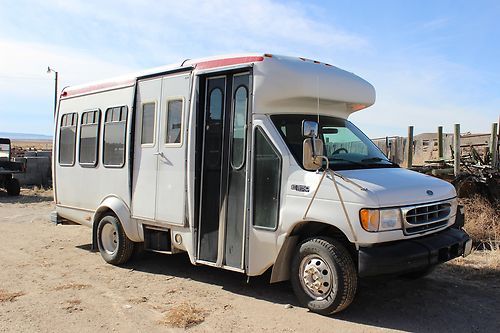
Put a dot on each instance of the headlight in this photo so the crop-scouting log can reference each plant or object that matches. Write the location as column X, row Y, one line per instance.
column 453, row 207
column 380, row 219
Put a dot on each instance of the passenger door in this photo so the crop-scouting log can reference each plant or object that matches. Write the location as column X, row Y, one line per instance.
column 171, row 178
column 223, row 186
column 148, row 101
column 159, row 167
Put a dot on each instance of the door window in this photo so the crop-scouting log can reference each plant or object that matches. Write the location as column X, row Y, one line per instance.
column 266, row 182
column 174, row 122
column 215, row 111
column 239, row 127
column 148, row 123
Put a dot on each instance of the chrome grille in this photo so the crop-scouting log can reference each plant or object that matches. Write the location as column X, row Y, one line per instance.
column 423, row 218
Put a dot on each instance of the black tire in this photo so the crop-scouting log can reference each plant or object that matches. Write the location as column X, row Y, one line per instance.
column 419, row 274
column 343, row 273
column 13, row 187
column 119, row 248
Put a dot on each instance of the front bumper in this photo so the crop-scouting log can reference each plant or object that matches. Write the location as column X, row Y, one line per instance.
column 413, row 254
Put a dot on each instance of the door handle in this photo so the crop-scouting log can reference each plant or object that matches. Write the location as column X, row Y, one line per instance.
column 159, row 153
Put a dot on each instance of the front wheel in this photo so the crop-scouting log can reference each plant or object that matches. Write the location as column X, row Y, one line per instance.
column 323, row 275
column 114, row 245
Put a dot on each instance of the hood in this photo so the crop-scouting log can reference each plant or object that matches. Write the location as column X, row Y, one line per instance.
column 399, row 187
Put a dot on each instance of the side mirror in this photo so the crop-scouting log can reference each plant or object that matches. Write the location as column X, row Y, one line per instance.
column 312, row 150
column 309, row 129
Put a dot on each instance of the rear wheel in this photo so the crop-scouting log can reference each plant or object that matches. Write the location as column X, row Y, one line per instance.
column 13, row 187
column 323, row 275
column 114, row 245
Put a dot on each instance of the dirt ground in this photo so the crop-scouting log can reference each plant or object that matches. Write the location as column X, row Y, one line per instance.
column 51, row 281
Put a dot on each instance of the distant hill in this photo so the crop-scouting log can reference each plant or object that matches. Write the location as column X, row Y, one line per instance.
column 25, row 136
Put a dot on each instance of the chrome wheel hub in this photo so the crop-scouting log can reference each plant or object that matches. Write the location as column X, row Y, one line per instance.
column 109, row 238
column 316, row 276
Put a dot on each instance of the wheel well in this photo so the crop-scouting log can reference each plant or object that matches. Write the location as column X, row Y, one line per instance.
column 311, row 229
column 301, row 232
column 97, row 217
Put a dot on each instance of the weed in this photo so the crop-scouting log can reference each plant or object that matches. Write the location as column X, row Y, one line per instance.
column 6, row 296
column 184, row 315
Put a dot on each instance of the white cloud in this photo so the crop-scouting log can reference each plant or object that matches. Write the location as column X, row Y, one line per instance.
column 23, row 68
column 27, row 91
column 426, row 93
column 91, row 40
column 226, row 24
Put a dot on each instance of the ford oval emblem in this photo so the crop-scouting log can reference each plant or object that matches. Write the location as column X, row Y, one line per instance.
column 429, row 192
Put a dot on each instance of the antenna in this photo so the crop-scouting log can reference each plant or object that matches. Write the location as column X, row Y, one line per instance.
column 317, row 95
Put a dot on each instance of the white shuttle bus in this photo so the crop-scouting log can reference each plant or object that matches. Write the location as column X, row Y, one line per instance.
column 249, row 163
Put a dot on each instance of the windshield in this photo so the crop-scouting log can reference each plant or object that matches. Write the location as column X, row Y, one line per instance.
column 344, row 144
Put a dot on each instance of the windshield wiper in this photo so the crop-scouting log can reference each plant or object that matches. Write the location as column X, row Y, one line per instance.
column 346, row 160
column 374, row 159
column 378, row 159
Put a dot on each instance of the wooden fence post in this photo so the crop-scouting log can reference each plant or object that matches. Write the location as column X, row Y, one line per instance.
column 409, row 150
column 456, row 148
column 494, row 144
column 440, row 142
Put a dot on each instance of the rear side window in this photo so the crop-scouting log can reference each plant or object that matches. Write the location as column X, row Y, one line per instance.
column 67, row 139
column 115, row 130
column 89, row 134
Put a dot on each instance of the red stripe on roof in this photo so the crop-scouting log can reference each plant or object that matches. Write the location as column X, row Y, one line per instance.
column 227, row 62
column 96, row 87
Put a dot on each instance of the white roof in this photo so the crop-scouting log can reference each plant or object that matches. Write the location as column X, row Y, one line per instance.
column 297, row 85
column 281, row 84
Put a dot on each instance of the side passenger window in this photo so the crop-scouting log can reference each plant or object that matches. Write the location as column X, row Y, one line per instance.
column 67, row 139
column 115, row 131
column 89, row 136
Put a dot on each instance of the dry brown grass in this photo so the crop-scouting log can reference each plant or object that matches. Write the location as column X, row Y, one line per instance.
column 32, row 144
column 6, row 296
column 73, row 305
column 184, row 315
column 479, row 266
column 482, row 221
column 39, row 191
column 72, row 286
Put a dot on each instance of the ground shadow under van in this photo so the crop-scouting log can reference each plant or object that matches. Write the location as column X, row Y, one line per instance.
column 436, row 303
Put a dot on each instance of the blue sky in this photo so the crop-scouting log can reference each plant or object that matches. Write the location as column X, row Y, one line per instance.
column 431, row 62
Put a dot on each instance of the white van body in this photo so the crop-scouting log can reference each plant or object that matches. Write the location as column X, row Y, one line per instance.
column 191, row 158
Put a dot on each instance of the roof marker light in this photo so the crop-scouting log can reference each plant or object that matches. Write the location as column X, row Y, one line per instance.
column 357, row 107
column 268, row 55
column 227, row 62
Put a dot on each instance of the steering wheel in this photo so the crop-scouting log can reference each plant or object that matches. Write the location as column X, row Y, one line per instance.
column 339, row 150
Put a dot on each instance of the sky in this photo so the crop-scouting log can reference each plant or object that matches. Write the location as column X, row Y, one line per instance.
column 431, row 62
